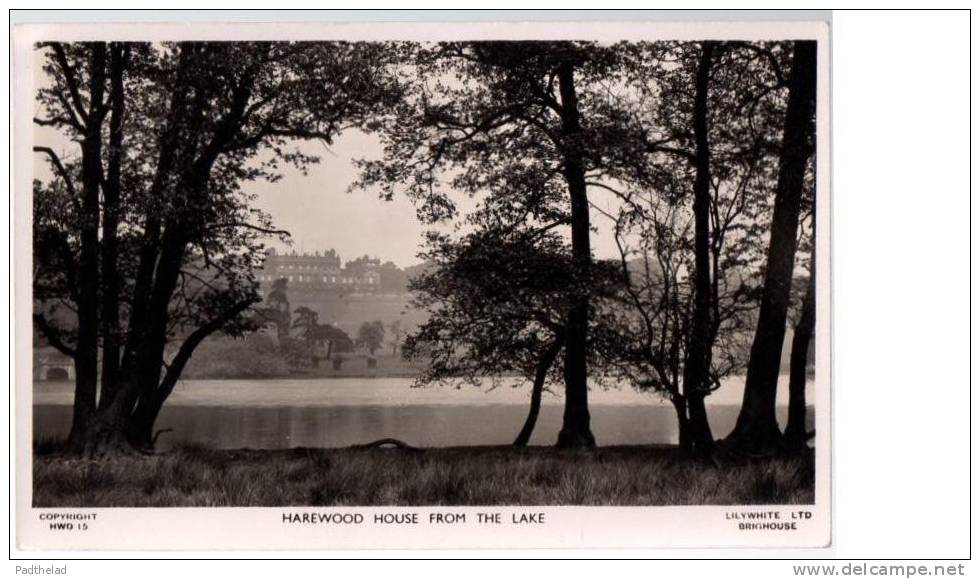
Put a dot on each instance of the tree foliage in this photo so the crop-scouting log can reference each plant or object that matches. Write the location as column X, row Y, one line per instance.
column 371, row 335
column 149, row 236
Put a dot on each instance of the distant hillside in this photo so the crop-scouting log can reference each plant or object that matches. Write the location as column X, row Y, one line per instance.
column 349, row 311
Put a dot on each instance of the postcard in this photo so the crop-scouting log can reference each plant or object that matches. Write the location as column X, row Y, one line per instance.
column 419, row 285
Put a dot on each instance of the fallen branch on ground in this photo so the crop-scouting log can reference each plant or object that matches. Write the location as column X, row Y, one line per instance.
column 386, row 442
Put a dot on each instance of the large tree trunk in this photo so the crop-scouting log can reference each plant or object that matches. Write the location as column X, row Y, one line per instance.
column 151, row 355
column 190, row 192
column 140, row 374
column 127, row 382
column 683, row 425
column 537, row 389
column 87, row 351
column 576, row 431
column 702, row 442
column 697, row 364
column 111, row 424
column 138, row 393
column 796, row 434
column 153, row 387
column 144, row 416
column 111, row 337
column 756, row 430
column 160, row 258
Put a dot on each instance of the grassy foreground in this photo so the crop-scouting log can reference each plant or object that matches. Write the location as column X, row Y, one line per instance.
column 634, row 475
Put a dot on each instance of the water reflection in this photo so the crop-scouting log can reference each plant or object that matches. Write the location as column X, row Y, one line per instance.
column 420, row 425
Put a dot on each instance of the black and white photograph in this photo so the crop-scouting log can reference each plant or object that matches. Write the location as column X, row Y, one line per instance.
column 520, row 271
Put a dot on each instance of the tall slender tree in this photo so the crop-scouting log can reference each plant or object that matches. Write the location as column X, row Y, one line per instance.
column 756, row 430
column 79, row 77
column 697, row 366
column 796, row 435
column 702, row 114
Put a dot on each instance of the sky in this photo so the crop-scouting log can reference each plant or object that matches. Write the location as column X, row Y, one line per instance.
column 321, row 214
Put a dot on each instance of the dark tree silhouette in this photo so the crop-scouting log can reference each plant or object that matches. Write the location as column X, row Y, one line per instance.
column 796, row 435
column 307, row 321
column 537, row 389
column 371, row 335
column 652, row 316
column 146, row 243
column 276, row 310
column 336, row 340
column 702, row 118
column 316, row 336
column 148, row 236
column 756, row 430
column 697, row 366
column 397, row 333
column 496, row 306
column 522, row 128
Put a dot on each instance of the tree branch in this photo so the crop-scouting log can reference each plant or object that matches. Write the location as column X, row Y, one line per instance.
column 62, row 172
column 768, row 55
column 71, row 82
column 260, row 229
column 193, row 341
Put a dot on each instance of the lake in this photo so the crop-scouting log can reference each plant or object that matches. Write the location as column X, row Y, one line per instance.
column 339, row 412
